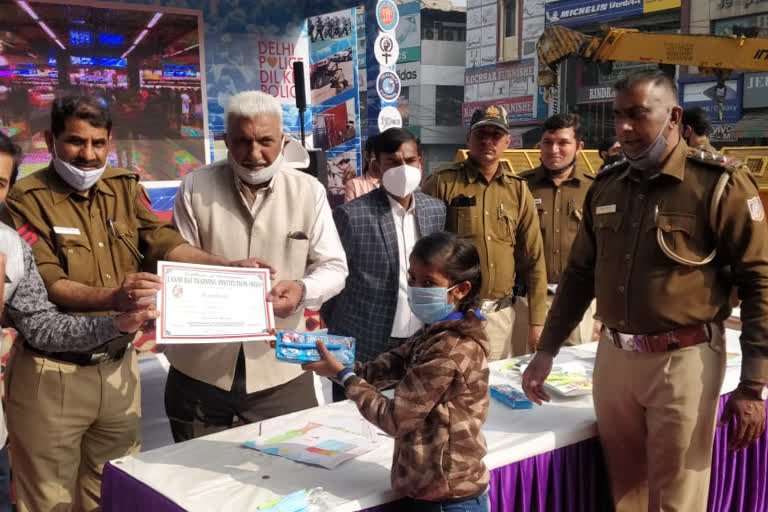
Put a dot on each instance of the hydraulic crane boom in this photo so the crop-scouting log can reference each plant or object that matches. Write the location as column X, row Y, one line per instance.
column 713, row 55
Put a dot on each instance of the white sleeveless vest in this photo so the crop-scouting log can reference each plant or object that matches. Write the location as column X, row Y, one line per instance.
column 227, row 228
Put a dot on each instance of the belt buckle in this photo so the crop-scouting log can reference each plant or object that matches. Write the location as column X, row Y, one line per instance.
column 488, row 306
column 628, row 342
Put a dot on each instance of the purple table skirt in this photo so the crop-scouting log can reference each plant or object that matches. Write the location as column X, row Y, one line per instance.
column 570, row 479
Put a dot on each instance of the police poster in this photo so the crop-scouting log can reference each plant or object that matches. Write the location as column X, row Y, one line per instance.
column 333, row 82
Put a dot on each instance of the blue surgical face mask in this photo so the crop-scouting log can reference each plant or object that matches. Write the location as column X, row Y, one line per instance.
column 430, row 305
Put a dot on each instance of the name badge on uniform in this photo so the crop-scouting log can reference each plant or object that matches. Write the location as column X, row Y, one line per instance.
column 59, row 230
column 537, row 201
column 606, row 208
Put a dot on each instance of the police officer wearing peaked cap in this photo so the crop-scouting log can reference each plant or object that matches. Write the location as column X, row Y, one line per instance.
column 488, row 202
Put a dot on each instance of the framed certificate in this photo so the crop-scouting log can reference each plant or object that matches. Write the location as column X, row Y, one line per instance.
column 210, row 304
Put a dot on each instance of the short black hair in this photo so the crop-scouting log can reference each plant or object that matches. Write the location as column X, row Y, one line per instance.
column 390, row 140
column 369, row 144
column 560, row 121
column 8, row 147
column 656, row 76
column 88, row 108
column 458, row 260
column 698, row 119
column 606, row 144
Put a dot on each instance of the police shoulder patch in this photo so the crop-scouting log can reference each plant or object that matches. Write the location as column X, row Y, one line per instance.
column 28, row 233
column 756, row 210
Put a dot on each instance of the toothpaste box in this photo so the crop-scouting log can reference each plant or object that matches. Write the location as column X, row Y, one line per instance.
column 511, row 397
column 301, row 347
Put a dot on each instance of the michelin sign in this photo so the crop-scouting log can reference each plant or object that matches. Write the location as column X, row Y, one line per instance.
column 590, row 11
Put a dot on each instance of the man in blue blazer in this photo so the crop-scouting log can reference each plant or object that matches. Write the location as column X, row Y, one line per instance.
column 378, row 231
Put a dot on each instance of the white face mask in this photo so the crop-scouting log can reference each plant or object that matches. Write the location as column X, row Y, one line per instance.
column 79, row 179
column 402, row 180
column 257, row 177
column 651, row 156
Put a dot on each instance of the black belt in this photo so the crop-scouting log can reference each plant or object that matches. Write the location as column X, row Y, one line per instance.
column 79, row 358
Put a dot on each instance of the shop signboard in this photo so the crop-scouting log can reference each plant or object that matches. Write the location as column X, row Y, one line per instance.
column 755, row 90
column 519, row 109
column 595, row 94
column 731, row 8
column 409, row 32
column 722, row 132
column 582, row 12
column 660, row 5
column 408, row 73
column 703, row 93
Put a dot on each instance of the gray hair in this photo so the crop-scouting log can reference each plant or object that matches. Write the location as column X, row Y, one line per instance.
column 251, row 104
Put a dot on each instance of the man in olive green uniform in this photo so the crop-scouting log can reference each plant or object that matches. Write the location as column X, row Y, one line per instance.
column 655, row 235
column 90, row 226
column 558, row 187
column 489, row 203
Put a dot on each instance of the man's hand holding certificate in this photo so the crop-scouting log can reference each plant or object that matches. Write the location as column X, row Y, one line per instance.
column 210, row 304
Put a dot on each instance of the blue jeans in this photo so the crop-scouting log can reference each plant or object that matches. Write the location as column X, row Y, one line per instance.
column 481, row 503
column 5, row 481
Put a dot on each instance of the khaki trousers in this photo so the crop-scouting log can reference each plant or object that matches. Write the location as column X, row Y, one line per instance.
column 498, row 329
column 656, row 420
column 64, row 422
column 583, row 333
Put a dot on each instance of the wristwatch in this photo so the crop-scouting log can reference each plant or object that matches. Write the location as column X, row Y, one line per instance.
column 755, row 390
column 303, row 297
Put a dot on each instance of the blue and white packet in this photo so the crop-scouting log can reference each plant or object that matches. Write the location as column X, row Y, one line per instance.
column 510, row 397
column 301, row 347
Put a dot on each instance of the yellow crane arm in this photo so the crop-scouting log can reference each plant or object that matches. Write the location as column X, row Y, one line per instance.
column 713, row 55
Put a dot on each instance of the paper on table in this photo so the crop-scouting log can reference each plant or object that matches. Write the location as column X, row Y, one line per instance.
column 570, row 379
column 316, row 444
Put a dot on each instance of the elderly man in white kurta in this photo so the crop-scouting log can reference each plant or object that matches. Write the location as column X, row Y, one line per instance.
column 254, row 205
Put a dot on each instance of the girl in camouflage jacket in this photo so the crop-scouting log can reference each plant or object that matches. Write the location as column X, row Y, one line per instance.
column 441, row 382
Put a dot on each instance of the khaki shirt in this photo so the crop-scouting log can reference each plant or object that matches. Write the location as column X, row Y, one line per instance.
column 640, row 290
column 560, row 212
column 71, row 235
column 501, row 219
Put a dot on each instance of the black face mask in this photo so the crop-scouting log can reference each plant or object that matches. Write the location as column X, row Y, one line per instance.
column 612, row 159
column 558, row 172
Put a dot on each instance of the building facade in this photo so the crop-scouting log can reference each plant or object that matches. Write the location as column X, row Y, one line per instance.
column 431, row 37
column 746, row 108
column 586, row 88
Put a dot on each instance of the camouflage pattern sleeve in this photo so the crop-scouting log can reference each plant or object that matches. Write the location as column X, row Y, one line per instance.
column 416, row 395
column 44, row 326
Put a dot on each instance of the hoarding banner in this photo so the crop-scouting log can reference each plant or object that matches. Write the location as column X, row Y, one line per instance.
column 590, row 11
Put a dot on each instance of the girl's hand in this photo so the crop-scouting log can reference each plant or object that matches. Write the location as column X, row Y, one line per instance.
column 328, row 366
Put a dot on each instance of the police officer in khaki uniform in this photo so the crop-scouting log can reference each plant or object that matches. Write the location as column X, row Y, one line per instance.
column 558, row 187
column 489, row 203
column 656, row 233
column 696, row 129
column 91, row 228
